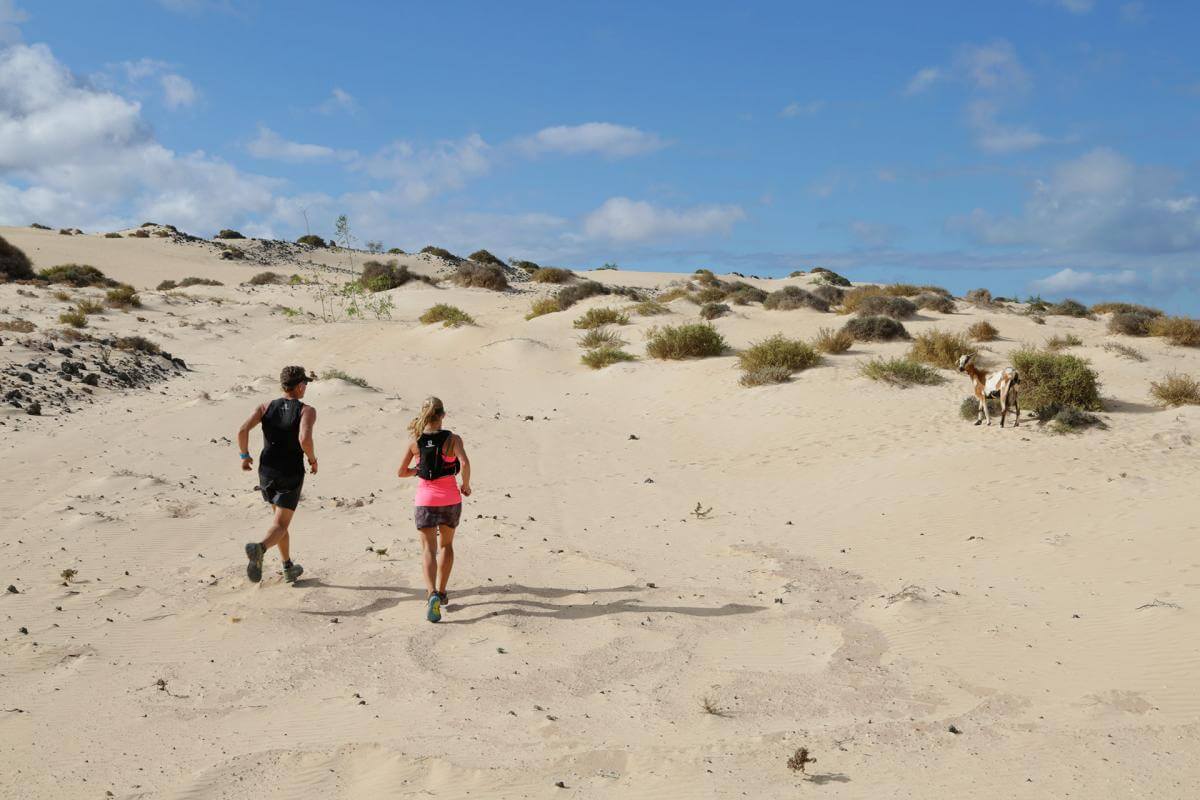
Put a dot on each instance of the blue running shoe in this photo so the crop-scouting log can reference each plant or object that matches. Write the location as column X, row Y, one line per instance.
column 434, row 612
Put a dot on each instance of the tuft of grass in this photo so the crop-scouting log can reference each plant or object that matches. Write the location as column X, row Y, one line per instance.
column 940, row 348
column 983, row 331
column 709, row 706
column 651, row 308
column 697, row 340
column 793, row 355
column 830, row 341
column 17, row 326
column 601, row 357
column 482, row 276
column 1124, row 351
column 875, row 329
column 902, row 289
column 440, row 252
column 450, row 316
column 543, row 305
column 265, row 279
column 1057, row 342
column 552, row 275
column 190, row 281
column 792, row 297
column 765, row 376
column 1176, row 389
column 1179, row 331
column 1125, row 308
column 338, row 375
column 902, row 372
column 89, row 307
column 124, row 296
column 713, row 310
column 600, row 337
column 969, row 408
column 77, row 275
column 61, row 296
column 139, row 344
column 1053, row 381
column 596, row 317
column 679, row 292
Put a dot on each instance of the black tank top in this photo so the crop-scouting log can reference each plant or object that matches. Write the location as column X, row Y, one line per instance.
column 282, row 455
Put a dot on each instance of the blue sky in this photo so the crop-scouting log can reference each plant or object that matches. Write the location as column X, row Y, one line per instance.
column 1027, row 145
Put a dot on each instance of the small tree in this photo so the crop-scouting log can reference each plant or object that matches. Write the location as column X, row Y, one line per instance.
column 344, row 238
column 374, row 247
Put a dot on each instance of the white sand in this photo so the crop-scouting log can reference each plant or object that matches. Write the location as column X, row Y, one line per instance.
column 590, row 612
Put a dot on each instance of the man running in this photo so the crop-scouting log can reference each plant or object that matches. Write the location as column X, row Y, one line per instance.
column 287, row 426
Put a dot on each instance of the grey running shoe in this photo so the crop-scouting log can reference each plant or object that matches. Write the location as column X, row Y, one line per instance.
column 445, row 598
column 290, row 574
column 254, row 552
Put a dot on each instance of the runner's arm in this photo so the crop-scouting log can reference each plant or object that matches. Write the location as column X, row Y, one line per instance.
column 308, row 420
column 460, row 451
column 405, row 471
column 243, row 435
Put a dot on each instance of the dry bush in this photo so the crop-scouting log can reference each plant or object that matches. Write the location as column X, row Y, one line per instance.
column 779, row 351
column 886, row 306
column 1125, row 308
column 902, row 289
column 1057, row 342
column 983, row 331
column 113, row 235
column 124, row 296
column 677, row 293
column 713, row 310
column 14, row 264
column 335, row 374
column 166, row 286
column 77, row 275
column 902, row 372
column 88, row 306
column 265, row 279
column 138, row 344
column 854, row 298
column 65, row 297
column 929, row 301
column 875, row 329
column 830, row 341
column 440, row 252
column 596, row 317
column 940, row 348
column 651, row 308
column 602, row 357
column 1176, row 389
column 980, row 297
column 600, row 337
column 709, row 294
column 379, row 277
column 1053, row 381
column 482, row 276
column 484, row 257
column 705, row 277
column 1069, row 308
column 792, row 297
column 190, row 281
column 1130, row 323
column 552, row 275
column 697, row 340
column 1179, row 331
column 450, row 316
column 543, row 305
column 570, row 295
column 765, row 376
column 1124, row 351
column 743, row 294
column 17, row 326
column 833, row 295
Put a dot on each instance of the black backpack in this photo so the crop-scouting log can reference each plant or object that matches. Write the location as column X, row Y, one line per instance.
column 430, row 465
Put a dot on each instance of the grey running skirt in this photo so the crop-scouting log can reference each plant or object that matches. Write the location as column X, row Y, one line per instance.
column 436, row 516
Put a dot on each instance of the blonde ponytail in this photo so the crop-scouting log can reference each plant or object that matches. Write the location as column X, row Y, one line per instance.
column 431, row 410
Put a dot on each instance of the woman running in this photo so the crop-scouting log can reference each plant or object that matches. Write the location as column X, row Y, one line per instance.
column 440, row 456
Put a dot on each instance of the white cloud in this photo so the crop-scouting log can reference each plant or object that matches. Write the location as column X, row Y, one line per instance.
column 270, row 145
column 10, row 19
column 1071, row 281
column 602, row 138
column 993, row 136
column 339, row 100
column 1099, row 202
column 418, row 173
column 178, row 91
column 923, row 80
column 1078, row 6
column 1133, row 12
column 132, row 77
column 992, row 67
column 795, row 109
column 620, row 219
column 874, row 234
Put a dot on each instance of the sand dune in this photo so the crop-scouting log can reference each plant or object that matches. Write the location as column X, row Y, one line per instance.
column 873, row 570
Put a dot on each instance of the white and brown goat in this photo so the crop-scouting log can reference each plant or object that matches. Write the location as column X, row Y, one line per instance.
column 1001, row 384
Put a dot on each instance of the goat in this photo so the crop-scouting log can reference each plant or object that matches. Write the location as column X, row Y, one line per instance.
column 1001, row 384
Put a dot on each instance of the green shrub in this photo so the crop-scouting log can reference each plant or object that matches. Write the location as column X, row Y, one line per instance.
column 651, row 308
column 829, row 276
column 853, row 299
column 832, row 295
column 875, row 329
column 484, row 257
column 607, row 265
column 166, row 286
column 600, row 337
column 710, row 294
column 191, row 281
column 113, row 235
column 1053, row 381
column 138, row 344
column 89, row 307
column 1124, row 351
column 792, row 297
column 595, row 317
column 338, row 375
column 1057, row 342
column 265, row 279
column 983, row 331
column 887, row 306
column 551, row 275
column 1176, row 390
column 765, row 376
column 743, row 294
column 705, row 277
column 570, row 295
column 1073, row 420
column 1125, row 308
column 1179, row 331
column 395, row 251
column 697, row 340
column 980, row 297
column 39, row 226
column 139, row 234
column 482, row 276
column 1068, row 308
column 902, row 372
column 902, row 289
column 830, row 341
column 779, row 351
column 528, row 266
column 124, row 296
column 77, row 275
column 379, row 277
column 226, row 233
column 14, row 264
column 935, row 302
column 312, row 240
column 969, row 408
column 713, row 310
column 440, row 253
column 449, row 316
column 543, row 305
column 940, row 348
column 602, row 357
column 75, row 318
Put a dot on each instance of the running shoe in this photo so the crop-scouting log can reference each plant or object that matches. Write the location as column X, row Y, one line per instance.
column 290, row 574
column 434, row 612
column 254, row 552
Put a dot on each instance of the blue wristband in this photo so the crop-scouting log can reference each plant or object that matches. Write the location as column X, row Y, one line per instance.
column 244, row 456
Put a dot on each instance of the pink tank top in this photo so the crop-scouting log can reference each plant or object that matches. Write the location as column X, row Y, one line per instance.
column 441, row 491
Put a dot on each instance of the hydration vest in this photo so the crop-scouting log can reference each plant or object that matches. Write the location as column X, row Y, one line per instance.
column 431, row 465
